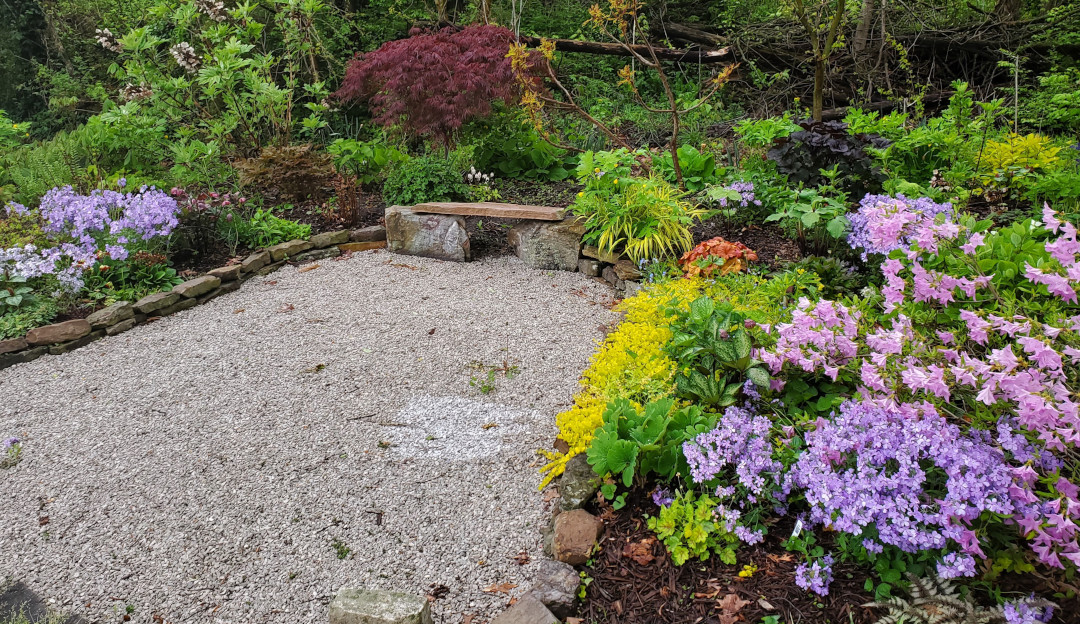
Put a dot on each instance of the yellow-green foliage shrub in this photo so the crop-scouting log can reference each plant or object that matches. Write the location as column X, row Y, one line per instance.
column 1018, row 161
column 631, row 363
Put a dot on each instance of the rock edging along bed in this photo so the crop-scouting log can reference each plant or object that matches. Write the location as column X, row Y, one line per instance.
column 121, row 316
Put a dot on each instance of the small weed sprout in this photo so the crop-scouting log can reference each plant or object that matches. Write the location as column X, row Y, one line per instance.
column 10, row 452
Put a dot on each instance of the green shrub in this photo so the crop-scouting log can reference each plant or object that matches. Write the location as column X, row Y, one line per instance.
column 423, row 179
column 698, row 168
column 265, row 229
column 366, row 160
column 688, row 528
column 41, row 311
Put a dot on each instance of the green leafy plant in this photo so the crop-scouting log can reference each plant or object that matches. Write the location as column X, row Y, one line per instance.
column 934, row 599
column 688, row 528
column 643, row 442
column 265, row 229
column 15, row 323
column 423, row 179
column 11, row 133
column 143, row 273
column 516, row 150
column 14, row 292
column 714, row 346
column 816, row 219
column 366, row 160
column 760, row 133
column 698, row 168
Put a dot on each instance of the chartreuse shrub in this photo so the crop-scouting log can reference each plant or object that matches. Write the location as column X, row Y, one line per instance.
column 642, row 217
column 688, row 527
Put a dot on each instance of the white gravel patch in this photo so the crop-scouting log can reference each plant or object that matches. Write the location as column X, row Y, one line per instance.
column 202, row 467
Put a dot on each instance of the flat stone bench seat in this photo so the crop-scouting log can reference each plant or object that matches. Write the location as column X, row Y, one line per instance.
column 494, row 210
column 543, row 240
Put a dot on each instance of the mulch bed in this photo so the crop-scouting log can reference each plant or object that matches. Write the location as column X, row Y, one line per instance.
column 634, row 580
column 770, row 243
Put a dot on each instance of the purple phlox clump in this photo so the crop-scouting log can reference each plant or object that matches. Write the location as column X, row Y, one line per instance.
column 10, row 443
column 746, row 194
column 871, row 466
column 87, row 227
column 661, row 497
column 1027, row 611
column 815, row 576
column 883, row 223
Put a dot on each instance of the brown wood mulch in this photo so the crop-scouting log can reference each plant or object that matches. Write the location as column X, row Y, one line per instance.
column 633, row 580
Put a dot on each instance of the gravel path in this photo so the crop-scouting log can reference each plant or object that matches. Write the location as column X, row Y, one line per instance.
column 240, row 461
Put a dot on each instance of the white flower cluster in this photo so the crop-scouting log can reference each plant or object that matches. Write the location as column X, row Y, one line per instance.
column 107, row 40
column 185, row 56
column 133, row 92
column 214, row 9
column 475, row 177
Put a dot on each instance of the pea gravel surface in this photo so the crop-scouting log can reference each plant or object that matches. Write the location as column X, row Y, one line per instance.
column 370, row 422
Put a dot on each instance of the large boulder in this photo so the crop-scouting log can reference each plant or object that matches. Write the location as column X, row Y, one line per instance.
column 546, row 245
column 430, row 235
column 365, row 606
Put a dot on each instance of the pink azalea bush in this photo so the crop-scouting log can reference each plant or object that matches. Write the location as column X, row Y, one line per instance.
column 965, row 423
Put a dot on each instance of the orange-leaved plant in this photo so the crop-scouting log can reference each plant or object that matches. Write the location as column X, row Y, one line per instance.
column 716, row 253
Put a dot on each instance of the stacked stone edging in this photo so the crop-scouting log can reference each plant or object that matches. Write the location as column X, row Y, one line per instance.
column 121, row 316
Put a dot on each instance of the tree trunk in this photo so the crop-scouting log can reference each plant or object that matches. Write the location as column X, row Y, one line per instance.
column 862, row 31
column 819, row 87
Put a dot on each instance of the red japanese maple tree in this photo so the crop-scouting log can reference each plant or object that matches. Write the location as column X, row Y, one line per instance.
column 433, row 83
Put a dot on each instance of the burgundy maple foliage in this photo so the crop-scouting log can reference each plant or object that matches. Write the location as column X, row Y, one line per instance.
column 432, row 83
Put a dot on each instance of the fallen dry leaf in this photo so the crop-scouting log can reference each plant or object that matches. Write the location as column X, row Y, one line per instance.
column 500, row 588
column 288, row 307
column 730, row 605
column 640, row 552
column 431, row 332
column 765, row 604
column 238, row 310
column 490, row 426
column 272, row 283
column 522, row 558
column 468, row 619
column 308, row 268
column 550, row 494
column 575, row 621
column 781, row 558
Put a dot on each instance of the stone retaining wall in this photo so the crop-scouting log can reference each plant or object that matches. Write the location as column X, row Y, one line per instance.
column 62, row 337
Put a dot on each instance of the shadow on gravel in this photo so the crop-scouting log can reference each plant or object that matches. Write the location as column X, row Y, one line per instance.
column 18, row 601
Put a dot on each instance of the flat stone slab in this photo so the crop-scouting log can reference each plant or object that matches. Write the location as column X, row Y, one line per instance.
column 198, row 286
column 226, row 273
column 119, row 311
column 527, row 610
column 288, row 249
column 59, row 332
column 364, row 606
column 492, row 209
column 156, row 301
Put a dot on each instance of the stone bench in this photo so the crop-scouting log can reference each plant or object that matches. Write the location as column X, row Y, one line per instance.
column 545, row 239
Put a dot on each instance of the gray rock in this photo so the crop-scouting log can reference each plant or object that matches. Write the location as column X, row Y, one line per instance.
column 609, row 274
column 15, row 344
column 119, row 311
column 227, row 287
column 368, row 234
column 198, row 286
column 318, row 254
column 578, row 483
column 288, row 249
column 543, row 245
column 589, row 267
column 226, row 273
column 75, row 344
column 327, row 239
column 22, row 357
column 556, row 587
column 627, row 270
column 430, row 235
column 120, row 327
column 183, row 304
column 364, row 606
column 527, row 610
column 57, row 333
column 153, row 303
column 631, row 288
column 255, row 261
column 270, row 268
column 604, row 256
